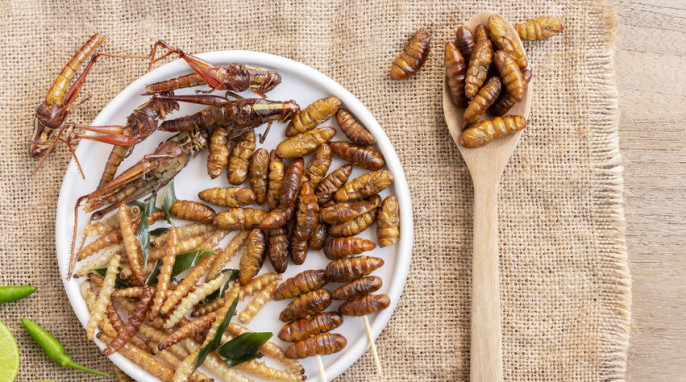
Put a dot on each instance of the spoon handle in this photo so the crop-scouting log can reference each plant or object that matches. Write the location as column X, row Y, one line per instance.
column 486, row 343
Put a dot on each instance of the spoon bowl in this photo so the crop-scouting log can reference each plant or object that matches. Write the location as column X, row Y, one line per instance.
column 486, row 165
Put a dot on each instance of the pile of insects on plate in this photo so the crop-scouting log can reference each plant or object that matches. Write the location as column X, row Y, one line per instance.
column 165, row 297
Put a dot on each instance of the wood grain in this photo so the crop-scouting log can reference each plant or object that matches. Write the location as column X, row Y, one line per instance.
column 651, row 77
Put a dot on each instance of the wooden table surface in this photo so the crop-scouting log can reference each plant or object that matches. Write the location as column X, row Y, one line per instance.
column 651, row 77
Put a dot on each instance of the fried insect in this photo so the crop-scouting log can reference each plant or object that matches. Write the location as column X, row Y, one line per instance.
column 219, row 152
column 357, row 288
column 342, row 212
column 351, row 268
column 258, row 173
column 353, row 226
column 506, row 39
column 110, row 223
column 225, row 256
column 413, row 56
column 188, row 302
column 276, row 174
column 364, row 157
column 193, row 211
column 253, row 257
column 277, row 248
column 104, row 297
column 307, row 216
column 131, row 244
column 388, row 222
column 321, row 344
column 301, row 283
column 307, row 304
column 365, row 185
column 292, row 181
column 300, row 329
column 239, row 219
column 353, row 130
column 297, row 248
column 269, row 349
column 142, row 358
column 304, row 143
column 313, row 115
column 477, row 71
column 506, row 101
column 540, row 28
column 338, row 248
column 134, row 323
column 238, row 116
column 455, row 72
column 332, row 183
column 278, row 217
column 480, row 33
column 240, row 158
column 464, row 41
column 318, row 236
column 318, row 167
column 100, row 261
column 513, row 79
column 258, row 283
column 163, row 278
column 130, row 292
column 228, row 196
column 185, row 245
column 486, row 97
column 365, row 305
column 484, row 132
column 187, row 284
column 257, row 303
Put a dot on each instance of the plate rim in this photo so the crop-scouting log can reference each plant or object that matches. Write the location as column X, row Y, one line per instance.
column 354, row 351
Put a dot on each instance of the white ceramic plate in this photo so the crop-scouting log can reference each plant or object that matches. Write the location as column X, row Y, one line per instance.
column 304, row 85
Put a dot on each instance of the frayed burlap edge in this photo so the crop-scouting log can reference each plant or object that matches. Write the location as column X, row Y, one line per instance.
column 608, row 202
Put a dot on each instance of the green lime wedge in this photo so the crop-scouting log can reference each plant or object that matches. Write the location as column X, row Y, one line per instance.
column 9, row 355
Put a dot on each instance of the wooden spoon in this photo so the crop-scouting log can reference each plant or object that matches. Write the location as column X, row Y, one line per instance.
column 486, row 164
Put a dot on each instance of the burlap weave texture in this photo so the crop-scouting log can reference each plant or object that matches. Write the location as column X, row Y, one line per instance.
column 565, row 282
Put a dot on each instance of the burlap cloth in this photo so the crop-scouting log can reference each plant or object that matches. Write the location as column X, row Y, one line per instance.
column 565, row 281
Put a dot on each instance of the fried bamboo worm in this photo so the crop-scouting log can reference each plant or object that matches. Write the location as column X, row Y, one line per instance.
column 104, row 297
column 316, row 113
column 164, row 276
column 134, row 323
column 258, row 283
column 188, row 282
column 214, row 240
column 413, row 56
column 182, row 246
column 301, row 283
column 188, row 302
column 187, row 330
column 270, row 349
column 225, row 256
column 182, row 232
column 216, row 365
column 100, row 261
column 131, row 244
column 257, row 303
column 130, row 292
column 109, row 223
column 142, row 358
column 215, row 305
column 194, row 211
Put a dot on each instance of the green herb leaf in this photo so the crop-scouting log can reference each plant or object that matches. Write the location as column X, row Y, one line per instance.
column 214, row 343
column 169, row 199
column 152, row 277
column 143, row 234
column 243, row 348
column 216, row 294
column 158, row 231
column 119, row 283
column 189, row 259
